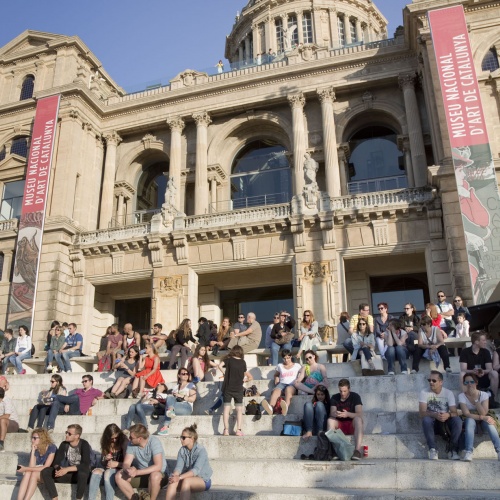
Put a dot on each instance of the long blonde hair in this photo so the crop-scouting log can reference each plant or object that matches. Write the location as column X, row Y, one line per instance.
column 184, row 326
column 311, row 318
column 222, row 333
column 45, row 440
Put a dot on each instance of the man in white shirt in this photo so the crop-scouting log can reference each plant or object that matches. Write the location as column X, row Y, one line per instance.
column 446, row 311
column 9, row 421
column 437, row 406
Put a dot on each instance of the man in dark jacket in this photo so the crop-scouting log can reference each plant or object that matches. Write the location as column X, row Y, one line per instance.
column 203, row 332
column 71, row 464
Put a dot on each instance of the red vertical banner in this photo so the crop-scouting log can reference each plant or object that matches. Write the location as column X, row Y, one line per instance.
column 29, row 240
column 472, row 159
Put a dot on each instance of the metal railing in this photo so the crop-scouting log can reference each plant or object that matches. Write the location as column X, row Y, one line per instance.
column 249, row 201
column 378, row 184
column 137, row 217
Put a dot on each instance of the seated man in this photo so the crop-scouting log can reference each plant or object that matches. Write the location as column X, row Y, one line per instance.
column 115, row 341
column 77, row 403
column 477, row 360
column 144, row 465
column 157, row 338
column 71, row 348
column 71, row 464
column 346, row 414
column 9, row 421
column 435, row 406
column 8, row 348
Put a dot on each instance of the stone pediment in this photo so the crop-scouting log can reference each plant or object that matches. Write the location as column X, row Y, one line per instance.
column 28, row 41
column 188, row 78
column 12, row 166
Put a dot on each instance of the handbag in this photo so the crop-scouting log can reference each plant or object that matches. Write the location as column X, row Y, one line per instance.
column 292, row 428
column 285, row 339
column 341, row 444
column 104, row 364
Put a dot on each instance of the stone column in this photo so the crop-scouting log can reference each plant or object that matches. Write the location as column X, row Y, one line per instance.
column 240, row 53
column 419, row 162
column 108, row 184
column 297, row 102
column 359, row 31
column 347, row 30
column 176, row 125
column 334, row 27
column 248, row 56
column 7, row 265
column 202, row 120
column 327, row 97
column 404, row 145
column 343, row 157
column 256, row 40
column 300, row 29
column 119, row 211
column 270, row 34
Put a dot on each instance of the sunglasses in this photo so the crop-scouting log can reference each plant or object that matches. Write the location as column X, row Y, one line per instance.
column 184, row 373
column 184, row 437
column 307, row 315
column 84, row 381
column 362, row 324
column 53, row 382
column 69, row 434
column 469, row 382
column 381, row 308
column 407, row 308
column 431, row 380
column 309, row 357
column 457, row 300
column 441, row 296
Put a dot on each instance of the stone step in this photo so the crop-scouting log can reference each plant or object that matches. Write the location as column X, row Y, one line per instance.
column 263, row 447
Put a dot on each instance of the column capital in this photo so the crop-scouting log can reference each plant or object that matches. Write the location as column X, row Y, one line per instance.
column 344, row 150
column 407, row 81
column 296, row 100
column 175, row 123
column 202, row 119
column 326, row 95
column 112, row 138
column 403, row 143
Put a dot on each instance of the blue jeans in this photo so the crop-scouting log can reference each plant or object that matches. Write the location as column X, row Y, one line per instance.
column 109, row 484
column 275, row 349
column 50, row 357
column 348, row 345
column 140, row 410
column 396, row 351
column 182, row 408
column 470, row 429
column 6, row 361
column 57, row 408
column 314, row 417
column 455, row 424
column 63, row 360
column 17, row 361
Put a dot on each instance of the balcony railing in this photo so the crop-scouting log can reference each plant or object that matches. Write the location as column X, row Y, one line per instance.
column 377, row 184
column 8, row 225
column 249, row 201
column 114, row 234
column 137, row 217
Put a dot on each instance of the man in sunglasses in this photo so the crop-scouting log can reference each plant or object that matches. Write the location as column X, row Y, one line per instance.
column 364, row 313
column 71, row 463
column 438, row 410
column 77, row 403
column 458, row 307
column 446, row 310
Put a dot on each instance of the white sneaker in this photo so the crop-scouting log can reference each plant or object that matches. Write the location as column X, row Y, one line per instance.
column 267, row 407
column 413, row 372
column 284, row 408
column 454, row 456
column 390, row 373
column 433, row 454
column 468, row 456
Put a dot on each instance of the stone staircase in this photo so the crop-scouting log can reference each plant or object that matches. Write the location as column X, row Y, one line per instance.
column 264, row 465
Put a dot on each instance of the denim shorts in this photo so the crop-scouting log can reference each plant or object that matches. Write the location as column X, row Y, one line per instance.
column 282, row 386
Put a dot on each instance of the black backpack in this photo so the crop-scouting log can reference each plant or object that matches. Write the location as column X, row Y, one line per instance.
column 253, row 408
column 323, row 451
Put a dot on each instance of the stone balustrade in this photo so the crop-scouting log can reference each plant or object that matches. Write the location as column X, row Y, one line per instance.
column 8, row 225
column 114, row 234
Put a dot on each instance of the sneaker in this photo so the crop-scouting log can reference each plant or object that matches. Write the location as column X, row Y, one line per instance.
column 22, row 372
column 390, row 373
column 170, row 413
column 448, row 370
column 196, row 380
column 267, row 407
column 284, row 408
column 433, row 454
column 356, row 455
column 163, row 431
column 468, row 456
column 454, row 456
column 404, row 372
column 413, row 372
column 29, row 429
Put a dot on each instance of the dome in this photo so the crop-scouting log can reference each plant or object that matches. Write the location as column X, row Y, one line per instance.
column 267, row 29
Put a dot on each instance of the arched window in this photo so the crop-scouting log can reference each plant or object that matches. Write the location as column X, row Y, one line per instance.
column 260, row 175
column 307, row 27
column 152, row 186
column 292, row 21
column 490, row 61
column 20, row 147
column 27, row 88
column 341, row 30
column 2, row 153
column 376, row 163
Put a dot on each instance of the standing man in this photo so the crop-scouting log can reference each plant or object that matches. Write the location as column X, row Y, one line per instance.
column 447, row 312
column 346, row 414
column 477, row 359
column 435, row 406
column 71, row 464
column 9, row 421
column 248, row 339
column 144, row 465
column 71, row 348
column 364, row 312
column 77, row 403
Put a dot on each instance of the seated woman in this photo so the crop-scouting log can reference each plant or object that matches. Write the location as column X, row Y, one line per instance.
column 22, row 349
column 42, row 408
column 147, row 405
column 410, row 322
column 311, row 374
column 113, row 447
column 284, row 377
column 43, row 451
column 282, row 336
column 343, row 334
column 57, row 340
column 381, row 324
column 183, row 335
column 309, row 335
column 180, row 402
column 103, row 344
column 223, row 337
column 316, row 412
column 475, row 405
column 200, row 363
column 364, row 341
column 192, row 471
column 396, row 347
column 148, row 371
column 125, row 371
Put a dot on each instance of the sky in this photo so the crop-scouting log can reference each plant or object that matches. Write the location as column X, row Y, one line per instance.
column 142, row 43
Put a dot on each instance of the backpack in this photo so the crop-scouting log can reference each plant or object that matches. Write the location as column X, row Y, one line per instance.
column 104, row 364
column 323, row 450
column 253, row 408
column 251, row 392
column 277, row 406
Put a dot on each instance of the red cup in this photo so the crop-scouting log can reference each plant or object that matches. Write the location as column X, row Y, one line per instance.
column 365, row 451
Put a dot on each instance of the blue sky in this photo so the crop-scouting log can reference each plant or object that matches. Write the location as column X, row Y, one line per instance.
column 139, row 43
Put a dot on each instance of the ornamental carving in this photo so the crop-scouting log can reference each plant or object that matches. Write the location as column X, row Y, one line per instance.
column 171, row 285
column 112, row 139
column 316, row 270
column 326, row 95
column 296, row 100
column 175, row 123
column 406, row 81
column 202, row 119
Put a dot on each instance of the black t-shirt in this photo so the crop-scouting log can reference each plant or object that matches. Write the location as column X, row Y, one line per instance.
column 233, row 378
column 349, row 404
column 481, row 358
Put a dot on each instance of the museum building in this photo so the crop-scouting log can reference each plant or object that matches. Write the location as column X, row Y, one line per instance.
column 314, row 172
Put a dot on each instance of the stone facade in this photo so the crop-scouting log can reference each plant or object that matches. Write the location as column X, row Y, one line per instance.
column 100, row 246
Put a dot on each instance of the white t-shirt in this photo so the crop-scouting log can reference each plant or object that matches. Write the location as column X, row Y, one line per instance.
column 444, row 307
column 439, row 403
column 462, row 398
column 185, row 392
column 288, row 375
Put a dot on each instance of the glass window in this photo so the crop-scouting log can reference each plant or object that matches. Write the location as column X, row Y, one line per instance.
column 307, row 27
column 292, row 21
column 19, row 147
column 490, row 61
column 152, row 186
column 341, row 30
column 261, row 175
column 12, row 200
column 279, row 34
column 2, row 153
column 27, row 88
column 352, row 28
column 376, row 163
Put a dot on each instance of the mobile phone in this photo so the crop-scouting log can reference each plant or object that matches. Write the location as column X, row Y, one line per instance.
column 18, row 467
